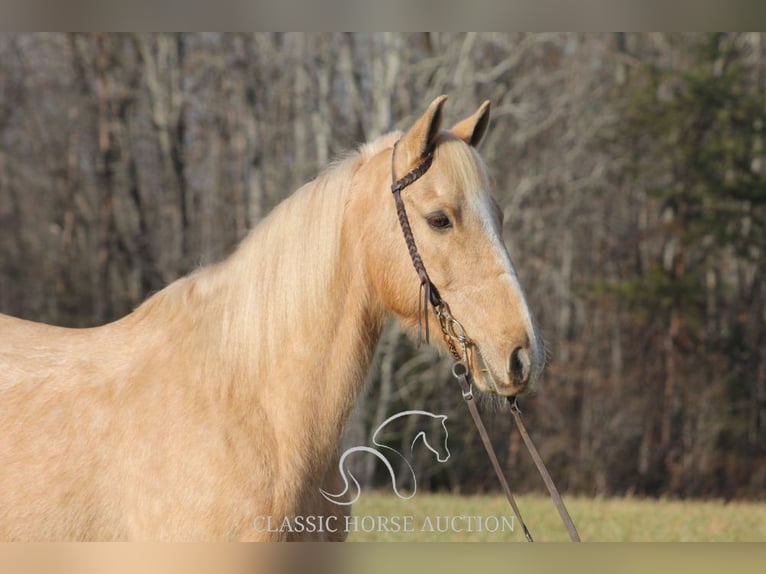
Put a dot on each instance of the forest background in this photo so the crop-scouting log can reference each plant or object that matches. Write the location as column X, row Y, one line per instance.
column 630, row 168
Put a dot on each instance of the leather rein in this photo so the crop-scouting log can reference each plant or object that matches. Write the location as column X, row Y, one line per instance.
column 458, row 343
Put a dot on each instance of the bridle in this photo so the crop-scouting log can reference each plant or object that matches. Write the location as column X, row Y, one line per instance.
column 458, row 342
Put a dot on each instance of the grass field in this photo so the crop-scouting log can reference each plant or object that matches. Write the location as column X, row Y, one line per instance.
column 597, row 519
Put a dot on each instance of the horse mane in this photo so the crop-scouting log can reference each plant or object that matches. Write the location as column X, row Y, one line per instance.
column 278, row 280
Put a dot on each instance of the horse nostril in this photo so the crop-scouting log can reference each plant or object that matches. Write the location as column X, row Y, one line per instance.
column 520, row 366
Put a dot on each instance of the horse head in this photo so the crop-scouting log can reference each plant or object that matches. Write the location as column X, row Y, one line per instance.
column 457, row 227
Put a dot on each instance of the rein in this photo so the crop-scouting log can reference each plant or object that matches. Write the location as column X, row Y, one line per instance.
column 458, row 342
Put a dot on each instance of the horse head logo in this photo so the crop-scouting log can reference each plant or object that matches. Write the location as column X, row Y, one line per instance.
column 423, row 424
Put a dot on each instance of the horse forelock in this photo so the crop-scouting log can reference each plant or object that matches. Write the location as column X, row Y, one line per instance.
column 463, row 165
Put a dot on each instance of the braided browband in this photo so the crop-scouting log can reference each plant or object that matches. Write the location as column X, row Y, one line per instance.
column 428, row 291
column 414, row 174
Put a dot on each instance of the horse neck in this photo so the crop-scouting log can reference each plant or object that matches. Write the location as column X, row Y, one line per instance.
column 294, row 320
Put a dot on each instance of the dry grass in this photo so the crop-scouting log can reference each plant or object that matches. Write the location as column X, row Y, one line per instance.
column 597, row 519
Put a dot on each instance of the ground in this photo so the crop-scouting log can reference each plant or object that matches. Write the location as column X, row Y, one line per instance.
column 599, row 519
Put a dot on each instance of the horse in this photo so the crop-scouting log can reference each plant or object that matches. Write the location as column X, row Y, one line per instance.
column 224, row 395
column 423, row 420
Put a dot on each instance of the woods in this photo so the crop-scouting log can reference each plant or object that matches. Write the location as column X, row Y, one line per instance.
column 630, row 168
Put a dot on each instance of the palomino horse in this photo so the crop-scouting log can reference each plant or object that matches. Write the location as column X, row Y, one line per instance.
column 223, row 396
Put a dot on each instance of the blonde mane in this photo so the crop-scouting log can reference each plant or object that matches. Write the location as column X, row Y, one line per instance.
column 248, row 303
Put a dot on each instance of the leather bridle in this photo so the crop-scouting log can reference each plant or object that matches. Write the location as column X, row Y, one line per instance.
column 458, row 343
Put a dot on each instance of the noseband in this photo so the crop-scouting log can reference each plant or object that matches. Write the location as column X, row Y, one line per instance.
column 458, row 343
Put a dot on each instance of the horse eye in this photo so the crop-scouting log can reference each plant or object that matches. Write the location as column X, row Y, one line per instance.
column 439, row 220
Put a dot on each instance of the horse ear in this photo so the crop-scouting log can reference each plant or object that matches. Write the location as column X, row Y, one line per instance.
column 420, row 137
column 472, row 129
